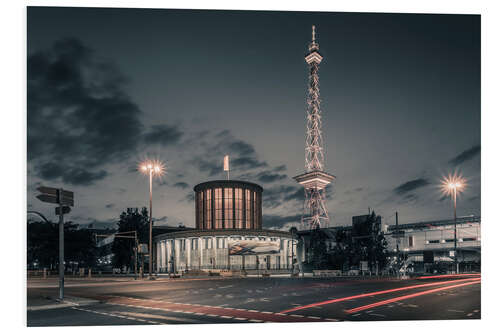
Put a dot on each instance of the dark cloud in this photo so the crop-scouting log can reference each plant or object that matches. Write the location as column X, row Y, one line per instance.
column 245, row 163
column 280, row 168
column 211, row 167
column 277, row 195
column 181, row 185
column 110, row 205
column 278, row 221
column 297, row 195
column 242, row 155
column 163, row 134
column 269, row 177
column 79, row 117
column 465, row 155
column 411, row 186
column 69, row 174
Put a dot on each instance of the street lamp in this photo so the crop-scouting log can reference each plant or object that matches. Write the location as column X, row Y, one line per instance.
column 452, row 185
column 151, row 168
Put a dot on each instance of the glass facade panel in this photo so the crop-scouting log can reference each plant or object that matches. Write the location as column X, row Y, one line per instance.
column 255, row 211
column 228, row 208
column 248, row 209
column 218, row 208
column 238, row 204
column 208, row 209
column 199, row 209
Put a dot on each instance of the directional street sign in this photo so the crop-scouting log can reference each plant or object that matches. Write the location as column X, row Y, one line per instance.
column 52, row 195
column 64, row 199
column 48, row 198
column 65, row 210
column 47, row 190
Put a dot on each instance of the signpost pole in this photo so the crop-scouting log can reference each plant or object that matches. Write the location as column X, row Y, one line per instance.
column 397, row 245
column 61, row 246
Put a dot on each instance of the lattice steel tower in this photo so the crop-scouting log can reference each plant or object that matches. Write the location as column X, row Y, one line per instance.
column 315, row 179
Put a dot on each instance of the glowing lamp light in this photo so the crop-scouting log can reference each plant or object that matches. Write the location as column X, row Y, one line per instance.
column 453, row 183
column 153, row 166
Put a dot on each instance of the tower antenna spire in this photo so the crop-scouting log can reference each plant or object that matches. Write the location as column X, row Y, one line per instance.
column 315, row 179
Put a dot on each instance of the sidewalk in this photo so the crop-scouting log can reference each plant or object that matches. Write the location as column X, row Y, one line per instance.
column 49, row 302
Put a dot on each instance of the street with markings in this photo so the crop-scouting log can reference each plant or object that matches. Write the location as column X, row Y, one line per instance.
column 255, row 300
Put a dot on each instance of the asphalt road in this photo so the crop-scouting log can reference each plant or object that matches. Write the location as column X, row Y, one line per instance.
column 247, row 300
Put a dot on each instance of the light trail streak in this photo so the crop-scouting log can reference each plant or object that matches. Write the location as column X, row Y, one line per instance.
column 400, row 298
column 381, row 292
column 447, row 276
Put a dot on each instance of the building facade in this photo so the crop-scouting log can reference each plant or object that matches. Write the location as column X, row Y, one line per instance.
column 424, row 244
column 228, row 214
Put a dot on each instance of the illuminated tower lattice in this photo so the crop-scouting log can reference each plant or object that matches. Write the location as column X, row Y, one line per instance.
column 314, row 179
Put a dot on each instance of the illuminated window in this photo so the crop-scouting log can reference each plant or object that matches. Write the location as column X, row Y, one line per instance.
column 248, row 207
column 200, row 209
column 228, row 207
column 218, row 208
column 208, row 209
column 238, row 203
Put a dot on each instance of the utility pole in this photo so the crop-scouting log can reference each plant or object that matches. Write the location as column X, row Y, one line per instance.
column 455, row 229
column 397, row 245
column 61, row 245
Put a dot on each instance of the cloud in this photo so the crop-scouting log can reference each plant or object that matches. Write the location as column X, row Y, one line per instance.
column 181, row 185
column 162, row 134
column 279, row 194
column 411, row 186
column 465, row 155
column 110, row 205
column 242, row 155
column 79, row 116
column 269, row 177
column 278, row 221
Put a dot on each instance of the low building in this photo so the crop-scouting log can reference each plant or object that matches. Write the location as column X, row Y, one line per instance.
column 228, row 234
column 424, row 246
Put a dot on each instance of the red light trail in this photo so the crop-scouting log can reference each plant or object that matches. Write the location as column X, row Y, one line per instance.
column 400, row 298
column 447, row 276
column 337, row 300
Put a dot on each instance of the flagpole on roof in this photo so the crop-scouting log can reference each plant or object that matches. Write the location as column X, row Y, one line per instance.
column 226, row 165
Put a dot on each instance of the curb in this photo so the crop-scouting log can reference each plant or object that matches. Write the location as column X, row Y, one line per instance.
column 63, row 304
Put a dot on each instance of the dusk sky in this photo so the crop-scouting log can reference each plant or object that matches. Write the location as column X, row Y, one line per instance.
column 109, row 87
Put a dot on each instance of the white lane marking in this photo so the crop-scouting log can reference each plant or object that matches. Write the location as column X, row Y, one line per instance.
column 252, row 311
column 266, row 312
column 238, row 318
column 256, row 321
column 311, row 317
column 296, row 315
column 226, row 317
column 451, row 310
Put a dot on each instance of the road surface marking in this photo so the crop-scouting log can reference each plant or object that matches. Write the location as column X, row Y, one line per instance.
column 451, row 310
column 343, row 299
column 392, row 300
column 256, row 321
column 226, row 317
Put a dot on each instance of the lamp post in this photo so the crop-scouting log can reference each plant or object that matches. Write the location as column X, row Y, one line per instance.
column 452, row 185
column 151, row 168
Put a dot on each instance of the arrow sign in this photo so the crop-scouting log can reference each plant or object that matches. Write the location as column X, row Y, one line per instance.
column 65, row 210
column 48, row 198
column 48, row 190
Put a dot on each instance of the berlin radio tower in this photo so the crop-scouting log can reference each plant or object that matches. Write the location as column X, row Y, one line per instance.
column 314, row 179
